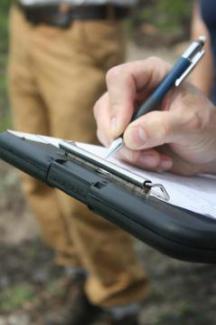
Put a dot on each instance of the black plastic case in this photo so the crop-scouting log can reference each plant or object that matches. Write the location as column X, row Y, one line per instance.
column 171, row 230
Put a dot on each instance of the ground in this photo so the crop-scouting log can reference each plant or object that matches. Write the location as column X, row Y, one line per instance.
column 31, row 286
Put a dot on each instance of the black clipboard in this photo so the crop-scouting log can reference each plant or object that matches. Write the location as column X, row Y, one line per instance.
column 173, row 231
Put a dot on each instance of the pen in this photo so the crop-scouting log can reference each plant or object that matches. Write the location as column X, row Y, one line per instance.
column 183, row 66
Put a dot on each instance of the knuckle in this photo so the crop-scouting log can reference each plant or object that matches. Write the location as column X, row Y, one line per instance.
column 195, row 121
column 199, row 117
column 163, row 128
column 154, row 59
column 167, row 129
column 209, row 118
column 159, row 73
column 113, row 73
column 118, row 70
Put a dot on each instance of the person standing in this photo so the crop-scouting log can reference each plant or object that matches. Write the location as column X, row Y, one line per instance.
column 59, row 54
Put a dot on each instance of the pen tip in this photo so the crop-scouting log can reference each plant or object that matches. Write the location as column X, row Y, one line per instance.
column 115, row 146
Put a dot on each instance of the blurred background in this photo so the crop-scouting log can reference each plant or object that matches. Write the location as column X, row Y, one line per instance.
column 30, row 284
column 155, row 25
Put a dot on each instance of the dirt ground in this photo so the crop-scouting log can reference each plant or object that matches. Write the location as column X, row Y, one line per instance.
column 31, row 286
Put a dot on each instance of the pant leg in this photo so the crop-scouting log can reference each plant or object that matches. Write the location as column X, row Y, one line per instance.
column 71, row 66
column 30, row 114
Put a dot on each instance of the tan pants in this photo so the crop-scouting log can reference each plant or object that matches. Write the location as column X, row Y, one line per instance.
column 55, row 76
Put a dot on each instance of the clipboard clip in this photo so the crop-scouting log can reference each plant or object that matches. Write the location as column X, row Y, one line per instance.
column 110, row 168
column 157, row 190
column 100, row 165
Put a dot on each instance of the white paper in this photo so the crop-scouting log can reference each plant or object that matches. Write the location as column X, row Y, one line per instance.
column 197, row 193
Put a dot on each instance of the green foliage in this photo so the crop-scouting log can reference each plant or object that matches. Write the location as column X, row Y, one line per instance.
column 4, row 9
column 5, row 122
column 165, row 14
column 15, row 297
column 173, row 13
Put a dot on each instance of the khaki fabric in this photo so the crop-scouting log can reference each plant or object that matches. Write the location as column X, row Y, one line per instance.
column 55, row 77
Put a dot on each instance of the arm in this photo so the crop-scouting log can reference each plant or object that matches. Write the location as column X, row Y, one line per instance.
column 203, row 76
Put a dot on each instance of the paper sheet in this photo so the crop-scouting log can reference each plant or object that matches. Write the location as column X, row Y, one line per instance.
column 197, row 193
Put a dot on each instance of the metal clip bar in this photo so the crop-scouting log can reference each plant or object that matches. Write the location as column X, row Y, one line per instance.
column 103, row 164
column 116, row 170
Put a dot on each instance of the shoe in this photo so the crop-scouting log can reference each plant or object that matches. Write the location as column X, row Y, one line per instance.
column 79, row 310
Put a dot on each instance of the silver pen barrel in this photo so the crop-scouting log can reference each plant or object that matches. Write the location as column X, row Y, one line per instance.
column 116, row 145
column 194, row 48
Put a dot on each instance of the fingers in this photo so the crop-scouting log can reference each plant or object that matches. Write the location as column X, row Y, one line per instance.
column 149, row 159
column 125, row 83
column 162, row 127
column 121, row 88
column 102, row 116
column 151, row 130
column 154, row 160
column 159, row 161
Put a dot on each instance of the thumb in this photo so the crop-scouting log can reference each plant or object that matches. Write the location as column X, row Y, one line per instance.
column 158, row 128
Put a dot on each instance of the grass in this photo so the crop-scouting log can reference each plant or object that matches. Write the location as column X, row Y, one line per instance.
column 15, row 297
column 21, row 294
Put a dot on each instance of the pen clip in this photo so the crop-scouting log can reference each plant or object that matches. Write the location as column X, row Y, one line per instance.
column 194, row 62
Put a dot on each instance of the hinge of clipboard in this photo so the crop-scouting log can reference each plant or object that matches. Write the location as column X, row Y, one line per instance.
column 111, row 170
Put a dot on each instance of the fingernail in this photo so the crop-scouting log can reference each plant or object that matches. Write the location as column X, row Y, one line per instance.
column 142, row 135
column 166, row 164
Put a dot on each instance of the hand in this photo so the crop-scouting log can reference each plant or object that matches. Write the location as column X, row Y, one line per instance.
column 180, row 136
